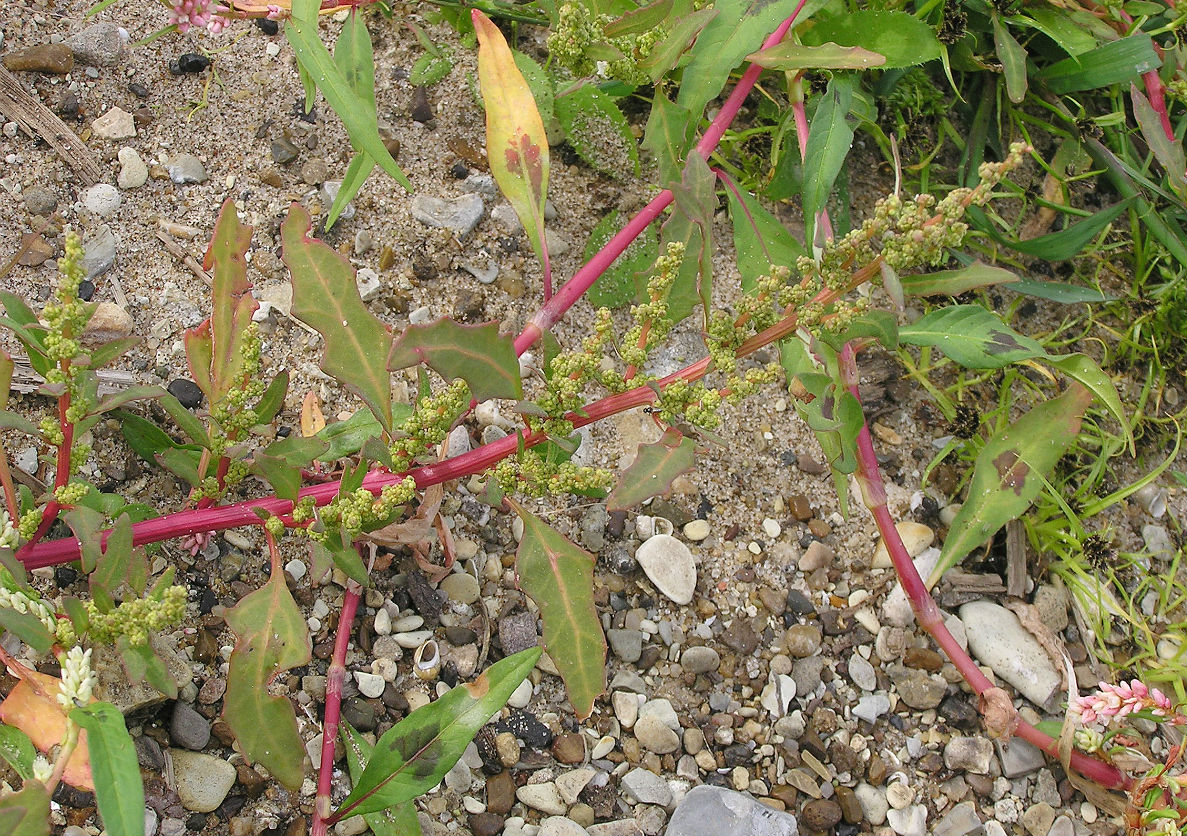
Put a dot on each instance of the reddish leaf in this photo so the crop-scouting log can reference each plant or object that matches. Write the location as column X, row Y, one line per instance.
column 653, row 470
column 33, row 707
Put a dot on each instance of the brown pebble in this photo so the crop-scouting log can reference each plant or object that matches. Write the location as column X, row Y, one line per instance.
column 252, row 781
column 422, row 110
column 43, row 58
column 271, row 177
column 851, row 810
column 876, row 770
column 34, row 250
column 819, row 528
column 787, row 794
column 731, row 532
column 500, row 793
column 800, row 507
column 569, row 748
column 924, row 658
column 387, row 257
column 821, row 814
column 809, row 465
column 486, row 824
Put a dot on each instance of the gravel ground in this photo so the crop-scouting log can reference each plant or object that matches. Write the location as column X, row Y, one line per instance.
column 793, row 675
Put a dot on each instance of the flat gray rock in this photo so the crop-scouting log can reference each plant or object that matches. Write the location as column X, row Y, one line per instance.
column 645, row 787
column 460, row 216
column 100, row 45
column 997, row 639
column 716, row 811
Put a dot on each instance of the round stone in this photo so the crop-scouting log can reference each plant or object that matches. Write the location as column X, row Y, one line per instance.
column 103, row 199
column 696, row 530
column 802, row 640
column 461, row 587
column 670, row 566
column 203, row 781
column 700, row 659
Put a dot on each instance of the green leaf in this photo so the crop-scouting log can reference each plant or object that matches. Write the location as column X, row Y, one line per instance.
column 118, row 790
column 1004, row 479
column 955, row 282
column 788, row 55
column 737, row 30
column 668, row 136
column 1068, row 242
column 86, row 524
column 829, row 139
column 120, row 563
column 638, row 20
column 27, row 627
column 186, row 421
column 1070, row 29
column 598, row 132
column 354, row 58
column 12, row 421
column 281, row 461
column 359, row 119
column 1084, row 370
column 1065, row 294
column 357, row 172
column 272, row 401
column 17, row 750
column 540, row 83
column 414, row 755
column 326, row 298
column 272, row 637
column 475, row 353
column 27, row 328
column 558, row 577
column 666, row 54
column 902, row 39
column 149, row 441
column 132, row 393
column 26, row 813
column 101, row 355
column 400, row 820
column 1168, row 151
column 652, row 471
column 616, row 287
column 182, row 462
column 1111, row 63
column 6, row 369
column 347, row 437
column 972, row 336
column 516, row 144
column 144, row 664
column 691, row 224
column 342, row 554
column 761, row 241
column 1013, row 58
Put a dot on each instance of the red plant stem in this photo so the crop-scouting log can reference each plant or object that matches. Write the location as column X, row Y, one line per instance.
column 335, row 678
column 924, row 606
column 583, row 279
column 62, row 476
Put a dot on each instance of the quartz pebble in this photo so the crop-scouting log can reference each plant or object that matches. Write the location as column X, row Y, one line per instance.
column 916, row 537
column 115, row 124
column 700, row 659
column 202, row 781
column 133, row 172
column 460, row 216
column 972, row 754
column 696, row 530
column 997, row 639
column 543, row 797
column 670, row 566
column 909, row 821
column 862, row 673
column 370, row 684
column 186, row 168
column 645, row 787
column 103, row 199
column 717, row 811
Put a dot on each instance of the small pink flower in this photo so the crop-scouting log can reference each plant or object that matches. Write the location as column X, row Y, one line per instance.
column 1118, row 701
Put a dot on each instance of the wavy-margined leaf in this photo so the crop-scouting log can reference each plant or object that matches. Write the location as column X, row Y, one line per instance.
column 314, row 59
column 17, row 750
column 272, row 637
column 281, row 461
column 120, row 564
column 666, row 54
column 736, row 31
column 326, row 298
column 414, row 755
column 788, row 55
column 652, row 471
column 1006, row 475
column 516, row 144
column 668, row 136
column 475, row 353
column 118, row 790
column 28, row 628
column 598, row 132
column 901, row 38
column 760, row 240
column 955, row 282
column 829, row 138
column 558, row 577
column 616, row 287
column 691, row 224
column 972, row 336
column 25, row 813
column 214, row 347
column 400, row 820
column 27, row 328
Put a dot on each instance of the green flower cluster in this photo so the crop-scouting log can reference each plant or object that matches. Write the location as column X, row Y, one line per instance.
column 15, row 597
column 578, row 43
column 135, row 619
column 359, row 511
column 534, row 475
column 429, row 424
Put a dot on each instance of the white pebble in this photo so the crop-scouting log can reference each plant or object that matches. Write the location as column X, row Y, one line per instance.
column 370, row 684
column 771, row 528
column 383, row 622
column 296, row 568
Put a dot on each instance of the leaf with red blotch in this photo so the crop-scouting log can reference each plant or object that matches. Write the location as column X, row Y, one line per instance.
column 516, row 145
column 32, row 706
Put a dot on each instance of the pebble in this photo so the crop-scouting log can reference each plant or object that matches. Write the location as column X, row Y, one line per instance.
column 700, row 659
column 1038, row 819
column 188, row 728
column 972, row 754
column 186, row 168
column 821, row 814
column 370, row 684
column 806, row 673
column 283, row 151
column 862, row 673
column 189, row 62
column 543, row 797
column 802, row 640
column 571, row 783
column 717, row 811
column 43, row 58
column 115, row 124
column 202, row 781
column 315, row 171
column 187, row 392
column 873, row 803
column 997, row 639
column 522, row 695
column 816, row 556
column 368, row 283
column 917, row 688
column 108, row 322
column 771, row 528
column 99, row 45
column 40, row 200
column 871, row 706
column 627, row 645
column 645, row 787
column 670, row 566
column 656, row 737
column 916, row 537
column 461, row 587
column 133, row 172
column 626, row 708
column 460, row 216
column 1019, row 758
column 561, row 826
column 961, row 820
column 697, row 530
column 778, row 694
column 909, row 821
column 102, row 199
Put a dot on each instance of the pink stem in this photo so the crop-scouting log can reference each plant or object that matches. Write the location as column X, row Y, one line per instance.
column 583, row 279
column 924, row 606
column 335, row 678
column 1155, row 93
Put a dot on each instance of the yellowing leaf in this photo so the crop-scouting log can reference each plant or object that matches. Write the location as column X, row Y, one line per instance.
column 516, row 145
column 32, row 707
